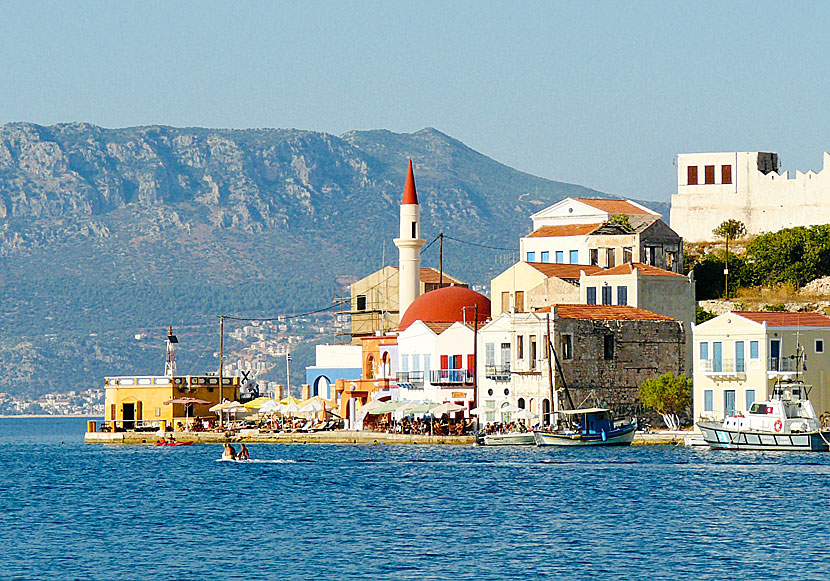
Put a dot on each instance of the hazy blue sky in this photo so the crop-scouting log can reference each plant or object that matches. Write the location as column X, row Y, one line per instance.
column 602, row 94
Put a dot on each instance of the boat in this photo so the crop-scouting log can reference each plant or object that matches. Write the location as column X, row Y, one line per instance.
column 785, row 421
column 506, row 439
column 166, row 443
column 588, row 427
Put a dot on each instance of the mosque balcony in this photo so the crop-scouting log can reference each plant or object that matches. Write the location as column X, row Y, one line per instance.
column 451, row 377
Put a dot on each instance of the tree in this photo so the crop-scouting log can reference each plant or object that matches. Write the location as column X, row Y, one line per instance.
column 730, row 230
column 621, row 220
column 668, row 395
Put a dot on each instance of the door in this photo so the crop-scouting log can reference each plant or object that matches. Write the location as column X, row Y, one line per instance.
column 128, row 415
column 729, row 402
column 774, row 354
column 717, row 356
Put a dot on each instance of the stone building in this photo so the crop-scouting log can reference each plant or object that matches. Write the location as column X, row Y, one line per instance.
column 746, row 186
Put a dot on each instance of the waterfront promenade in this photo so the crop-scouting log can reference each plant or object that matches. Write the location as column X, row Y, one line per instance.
column 329, row 437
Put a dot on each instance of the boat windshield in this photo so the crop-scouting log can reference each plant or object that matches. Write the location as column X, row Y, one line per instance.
column 760, row 408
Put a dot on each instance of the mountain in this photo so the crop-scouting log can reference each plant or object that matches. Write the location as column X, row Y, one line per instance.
column 109, row 233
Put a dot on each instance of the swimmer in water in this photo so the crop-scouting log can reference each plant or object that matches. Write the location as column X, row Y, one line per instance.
column 243, row 453
column 228, row 453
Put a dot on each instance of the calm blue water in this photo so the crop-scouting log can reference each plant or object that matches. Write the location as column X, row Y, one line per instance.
column 404, row 512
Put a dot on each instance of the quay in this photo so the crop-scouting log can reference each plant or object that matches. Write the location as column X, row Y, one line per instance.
column 664, row 438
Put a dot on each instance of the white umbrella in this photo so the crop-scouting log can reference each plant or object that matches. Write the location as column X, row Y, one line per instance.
column 523, row 415
column 445, row 408
column 312, row 407
column 509, row 408
column 372, row 405
column 269, row 407
column 481, row 410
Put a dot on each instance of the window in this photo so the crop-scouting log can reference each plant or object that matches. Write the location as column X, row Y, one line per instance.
column 426, row 364
column 594, row 256
column 608, row 347
column 709, row 174
column 520, row 347
column 489, row 353
column 717, row 356
column 704, row 351
column 531, row 257
column 671, row 258
column 729, row 402
column 819, row 345
column 591, row 295
column 740, row 365
column 404, row 363
column 750, row 398
column 573, row 257
column 505, row 302
column 567, row 347
column 560, row 256
column 622, row 295
column 650, row 255
column 532, row 354
column 520, row 301
column 361, row 302
column 505, row 354
column 726, row 174
column 606, row 295
column 708, row 400
column 416, row 363
column 627, row 254
column 414, row 229
column 610, row 258
column 691, row 175
column 545, row 256
column 753, row 349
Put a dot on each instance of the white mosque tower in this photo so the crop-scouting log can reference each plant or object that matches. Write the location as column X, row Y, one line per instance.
column 409, row 246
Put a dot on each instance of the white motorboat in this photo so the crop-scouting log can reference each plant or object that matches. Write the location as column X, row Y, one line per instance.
column 508, row 439
column 786, row 421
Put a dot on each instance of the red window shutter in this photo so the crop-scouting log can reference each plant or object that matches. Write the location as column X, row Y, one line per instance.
column 726, row 174
column 456, row 362
column 445, row 362
column 691, row 176
column 710, row 174
column 471, row 362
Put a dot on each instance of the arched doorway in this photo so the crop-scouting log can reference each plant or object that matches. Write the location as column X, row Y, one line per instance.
column 505, row 412
column 546, row 411
column 386, row 365
column 321, row 387
column 369, row 368
column 521, row 403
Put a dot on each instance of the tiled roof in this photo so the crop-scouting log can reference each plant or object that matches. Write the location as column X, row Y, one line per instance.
column 564, row 230
column 439, row 328
column 433, row 275
column 773, row 319
column 643, row 269
column 566, row 271
column 612, row 206
column 605, row 313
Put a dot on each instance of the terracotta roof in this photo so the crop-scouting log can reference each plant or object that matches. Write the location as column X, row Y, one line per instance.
column 605, row 313
column 612, row 206
column 644, row 269
column 564, row 230
column 432, row 275
column 409, row 194
column 773, row 319
column 571, row 271
column 439, row 328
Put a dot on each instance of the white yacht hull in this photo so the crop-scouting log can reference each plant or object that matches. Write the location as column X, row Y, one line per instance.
column 509, row 439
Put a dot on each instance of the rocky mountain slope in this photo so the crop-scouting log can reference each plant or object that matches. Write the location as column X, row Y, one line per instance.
column 105, row 232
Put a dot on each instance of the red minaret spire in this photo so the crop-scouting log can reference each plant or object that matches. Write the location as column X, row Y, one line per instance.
column 409, row 195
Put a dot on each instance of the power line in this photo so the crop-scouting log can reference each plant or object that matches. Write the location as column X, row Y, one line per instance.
column 479, row 245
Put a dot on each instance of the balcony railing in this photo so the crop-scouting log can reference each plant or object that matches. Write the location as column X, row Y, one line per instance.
column 725, row 366
column 451, row 377
column 413, row 378
column 497, row 372
column 782, row 364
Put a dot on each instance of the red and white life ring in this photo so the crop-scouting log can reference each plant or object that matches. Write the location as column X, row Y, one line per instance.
column 778, row 425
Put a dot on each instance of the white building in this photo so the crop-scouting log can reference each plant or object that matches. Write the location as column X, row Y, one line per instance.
column 745, row 186
column 581, row 231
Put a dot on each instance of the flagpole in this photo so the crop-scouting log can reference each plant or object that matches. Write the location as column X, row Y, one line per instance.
column 287, row 374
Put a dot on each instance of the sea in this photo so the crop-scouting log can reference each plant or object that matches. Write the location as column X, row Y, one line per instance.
column 70, row 510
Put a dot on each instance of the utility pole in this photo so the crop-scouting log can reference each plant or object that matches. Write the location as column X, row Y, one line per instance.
column 475, row 352
column 441, row 261
column 726, row 269
column 287, row 374
column 221, row 359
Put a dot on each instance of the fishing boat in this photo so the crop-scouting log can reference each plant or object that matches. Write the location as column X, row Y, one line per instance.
column 588, row 427
column 785, row 421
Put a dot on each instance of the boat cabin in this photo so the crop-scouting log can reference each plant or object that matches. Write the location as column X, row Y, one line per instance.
column 590, row 420
column 786, row 412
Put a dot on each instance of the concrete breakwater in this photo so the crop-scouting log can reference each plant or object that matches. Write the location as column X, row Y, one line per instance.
column 328, row 437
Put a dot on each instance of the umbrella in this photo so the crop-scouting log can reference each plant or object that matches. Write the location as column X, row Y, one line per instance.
column 270, row 406
column 256, row 403
column 422, row 408
column 372, row 405
column 186, row 402
column 524, row 415
column 291, row 408
column 481, row 410
column 445, row 408
column 385, row 408
column 291, row 399
column 312, row 407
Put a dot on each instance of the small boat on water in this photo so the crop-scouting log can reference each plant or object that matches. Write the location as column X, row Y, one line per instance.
column 785, row 421
column 506, row 439
column 588, row 427
column 167, row 443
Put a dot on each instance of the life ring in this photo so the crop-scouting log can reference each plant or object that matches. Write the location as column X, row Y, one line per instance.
column 778, row 425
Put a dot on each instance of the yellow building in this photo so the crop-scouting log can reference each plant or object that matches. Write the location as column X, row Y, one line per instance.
column 528, row 286
column 739, row 356
column 138, row 402
column 374, row 299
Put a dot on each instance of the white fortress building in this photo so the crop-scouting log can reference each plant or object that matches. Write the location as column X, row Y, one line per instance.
column 745, row 186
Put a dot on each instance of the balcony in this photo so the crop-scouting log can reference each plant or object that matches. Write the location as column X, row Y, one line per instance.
column 497, row 372
column 451, row 377
column 724, row 368
column 411, row 379
column 784, row 365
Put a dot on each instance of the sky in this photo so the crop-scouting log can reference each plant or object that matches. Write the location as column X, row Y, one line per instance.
column 602, row 94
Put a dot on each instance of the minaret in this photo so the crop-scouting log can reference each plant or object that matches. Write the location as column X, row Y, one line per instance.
column 409, row 246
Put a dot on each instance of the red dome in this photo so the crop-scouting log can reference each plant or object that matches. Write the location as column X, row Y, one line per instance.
column 444, row 305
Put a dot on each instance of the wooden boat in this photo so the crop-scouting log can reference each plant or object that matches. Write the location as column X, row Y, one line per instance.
column 783, row 422
column 588, row 427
